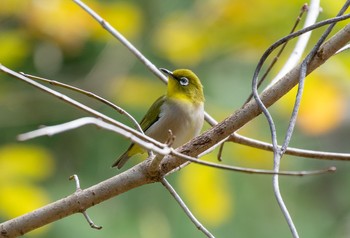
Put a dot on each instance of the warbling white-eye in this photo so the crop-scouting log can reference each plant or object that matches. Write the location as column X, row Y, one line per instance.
column 180, row 110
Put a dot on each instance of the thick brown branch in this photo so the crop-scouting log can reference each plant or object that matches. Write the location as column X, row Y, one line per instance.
column 77, row 202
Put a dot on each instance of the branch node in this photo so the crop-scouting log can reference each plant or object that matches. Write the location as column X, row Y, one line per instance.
column 91, row 223
column 221, row 149
column 171, row 138
column 305, row 7
column 156, row 160
column 77, row 183
column 78, row 189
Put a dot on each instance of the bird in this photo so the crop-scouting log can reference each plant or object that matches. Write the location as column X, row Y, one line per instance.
column 180, row 110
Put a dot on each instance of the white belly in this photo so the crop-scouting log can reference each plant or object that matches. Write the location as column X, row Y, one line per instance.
column 184, row 120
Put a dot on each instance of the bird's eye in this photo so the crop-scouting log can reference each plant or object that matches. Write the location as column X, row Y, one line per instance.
column 184, row 81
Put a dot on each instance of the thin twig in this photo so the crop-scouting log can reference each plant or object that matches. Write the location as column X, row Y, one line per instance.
column 80, row 106
column 302, row 76
column 91, row 223
column 296, row 34
column 275, row 59
column 77, row 182
column 178, row 199
column 234, row 137
column 149, row 65
column 278, row 152
column 287, row 38
column 122, row 40
column 84, row 212
column 94, row 96
column 52, row 130
column 237, row 138
column 249, row 170
column 313, row 12
column 89, row 94
column 345, row 48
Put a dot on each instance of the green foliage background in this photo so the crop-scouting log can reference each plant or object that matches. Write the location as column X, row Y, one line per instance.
column 221, row 41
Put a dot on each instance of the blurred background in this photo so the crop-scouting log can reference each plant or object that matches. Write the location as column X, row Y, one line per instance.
column 222, row 41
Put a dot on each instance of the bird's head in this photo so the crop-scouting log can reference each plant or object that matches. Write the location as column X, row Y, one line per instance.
column 183, row 84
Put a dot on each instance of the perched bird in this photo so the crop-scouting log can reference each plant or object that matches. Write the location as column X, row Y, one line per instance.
column 180, row 110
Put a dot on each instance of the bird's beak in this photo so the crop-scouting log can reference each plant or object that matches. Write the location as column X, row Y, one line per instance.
column 167, row 72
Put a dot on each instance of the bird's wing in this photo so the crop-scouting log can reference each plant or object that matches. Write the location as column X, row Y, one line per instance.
column 148, row 120
column 152, row 114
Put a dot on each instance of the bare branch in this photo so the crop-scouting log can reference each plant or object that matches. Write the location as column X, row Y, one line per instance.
column 290, row 151
column 91, row 223
column 78, row 189
column 295, row 56
column 249, row 170
column 345, row 48
column 178, row 199
column 132, row 49
column 76, row 202
column 52, row 130
column 76, row 180
column 279, row 151
column 166, row 150
column 89, row 94
column 123, row 40
column 79, row 105
column 279, row 53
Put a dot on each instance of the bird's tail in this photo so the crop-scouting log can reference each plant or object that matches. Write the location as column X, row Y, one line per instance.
column 131, row 151
column 121, row 160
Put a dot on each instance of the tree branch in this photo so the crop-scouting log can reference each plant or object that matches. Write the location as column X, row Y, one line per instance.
column 77, row 202
column 290, row 151
column 178, row 199
column 154, row 166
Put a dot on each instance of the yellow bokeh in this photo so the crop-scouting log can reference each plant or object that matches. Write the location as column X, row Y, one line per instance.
column 68, row 25
column 207, row 193
column 136, row 91
column 14, row 47
column 248, row 157
column 180, row 41
column 126, row 17
column 13, row 7
column 24, row 162
column 191, row 37
column 17, row 199
column 59, row 20
column 322, row 108
column 22, row 166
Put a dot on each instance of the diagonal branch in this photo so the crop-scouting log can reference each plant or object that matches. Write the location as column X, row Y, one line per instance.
column 178, row 199
column 153, row 170
column 89, row 94
column 290, row 151
column 132, row 49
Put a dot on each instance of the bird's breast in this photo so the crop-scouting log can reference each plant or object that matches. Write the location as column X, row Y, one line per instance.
column 184, row 119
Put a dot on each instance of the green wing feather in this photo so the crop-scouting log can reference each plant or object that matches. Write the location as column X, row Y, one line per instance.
column 152, row 114
column 147, row 121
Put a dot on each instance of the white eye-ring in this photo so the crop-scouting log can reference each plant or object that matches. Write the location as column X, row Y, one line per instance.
column 184, row 81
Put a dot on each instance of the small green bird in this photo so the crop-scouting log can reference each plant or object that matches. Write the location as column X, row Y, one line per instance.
column 180, row 110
